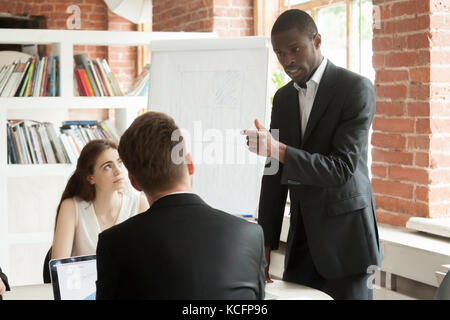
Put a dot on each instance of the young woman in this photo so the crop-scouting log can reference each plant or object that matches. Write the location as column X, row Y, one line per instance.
column 97, row 197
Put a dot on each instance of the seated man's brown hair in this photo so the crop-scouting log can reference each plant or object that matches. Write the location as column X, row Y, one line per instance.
column 146, row 150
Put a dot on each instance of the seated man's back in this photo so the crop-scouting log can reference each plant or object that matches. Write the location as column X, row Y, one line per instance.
column 181, row 248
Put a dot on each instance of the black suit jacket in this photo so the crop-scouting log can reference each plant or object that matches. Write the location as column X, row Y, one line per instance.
column 326, row 174
column 181, row 248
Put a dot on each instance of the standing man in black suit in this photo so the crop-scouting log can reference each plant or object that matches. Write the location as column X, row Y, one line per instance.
column 180, row 248
column 323, row 118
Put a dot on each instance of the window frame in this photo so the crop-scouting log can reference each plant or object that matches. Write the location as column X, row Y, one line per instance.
column 314, row 5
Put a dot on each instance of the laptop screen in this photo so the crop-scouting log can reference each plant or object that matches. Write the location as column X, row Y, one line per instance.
column 74, row 278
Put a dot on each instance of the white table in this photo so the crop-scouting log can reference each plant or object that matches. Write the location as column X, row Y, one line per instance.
column 281, row 289
column 292, row 291
column 31, row 292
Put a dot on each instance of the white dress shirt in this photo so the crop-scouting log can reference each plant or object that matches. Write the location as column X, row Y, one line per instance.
column 307, row 95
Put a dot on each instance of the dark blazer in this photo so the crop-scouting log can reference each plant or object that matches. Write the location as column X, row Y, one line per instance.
column 181, row 248
column 326, row 174
column 5, row 281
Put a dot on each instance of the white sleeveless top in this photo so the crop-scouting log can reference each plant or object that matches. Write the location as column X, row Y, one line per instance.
column 87, row 228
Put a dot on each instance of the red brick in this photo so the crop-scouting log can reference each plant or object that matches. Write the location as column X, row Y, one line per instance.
column 390, row 108
column 399, row 42
column 421, row 142
column 242, row 3
column 419, row 91
column 226, row 12
column 409, row 207
column 394, row 91
column 418, row 109
column 401, row 59
column 389, row 141
column 408, row 174
column 399, row 125
column 416, row 23
column 382, row 44
column 224, row 3
column 379, row 170
column 391, row 157
column 394, row 219
column 247, row 12
column 419, row 74
column 390, row 75
column 423, row 126
column 392, row 188
column 378, row 60
column 424, row 57
column 410, row 7
column 419, row 41
column 422, row 159
column 421, row 193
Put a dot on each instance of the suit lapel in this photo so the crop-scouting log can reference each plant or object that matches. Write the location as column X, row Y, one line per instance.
column 324, row 94
column 294, row 126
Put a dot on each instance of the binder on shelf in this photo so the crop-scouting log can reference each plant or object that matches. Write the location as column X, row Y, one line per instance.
column 96, row 80
column 57, row 76
column 6, row 75
column 82, row 63
column 112, row 79
column 104, row 77
column 15, row 90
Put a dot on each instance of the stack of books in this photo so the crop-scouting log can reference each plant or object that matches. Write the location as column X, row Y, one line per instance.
column 33, row 142
column 95, row 78
column 76, row 134
column 32, row 78
column 140, row 85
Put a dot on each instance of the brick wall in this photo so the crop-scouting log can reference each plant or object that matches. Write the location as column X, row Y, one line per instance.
column 229, row 18
column 411, row 167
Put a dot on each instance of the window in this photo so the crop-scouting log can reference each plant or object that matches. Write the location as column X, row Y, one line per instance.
column 346, row 29
column 330, row 22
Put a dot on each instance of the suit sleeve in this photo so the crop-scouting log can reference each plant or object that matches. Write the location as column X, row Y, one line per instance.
column 106, row 270
column 262, row 267
column 349, row 142
column 272, row 200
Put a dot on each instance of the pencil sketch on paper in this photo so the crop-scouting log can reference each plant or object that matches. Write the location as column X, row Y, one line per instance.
column 212, row 89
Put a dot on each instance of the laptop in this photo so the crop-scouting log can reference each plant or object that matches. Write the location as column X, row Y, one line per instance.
column 74, row 278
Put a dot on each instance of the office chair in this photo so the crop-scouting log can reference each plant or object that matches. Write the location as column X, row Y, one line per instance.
column 443, row 292
column 46, row 268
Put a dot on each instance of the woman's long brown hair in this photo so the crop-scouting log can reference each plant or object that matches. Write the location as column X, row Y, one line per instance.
column 78, row 184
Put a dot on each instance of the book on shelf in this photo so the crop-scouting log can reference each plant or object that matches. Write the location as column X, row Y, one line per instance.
column 140, row 86
column 33, row 142
column 30, row 78
column 95, row 78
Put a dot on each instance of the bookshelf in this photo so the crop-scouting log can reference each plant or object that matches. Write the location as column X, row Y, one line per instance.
column 29, row 194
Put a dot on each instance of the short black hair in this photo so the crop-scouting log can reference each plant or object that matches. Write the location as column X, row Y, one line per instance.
column 295, row 18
